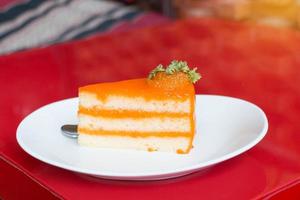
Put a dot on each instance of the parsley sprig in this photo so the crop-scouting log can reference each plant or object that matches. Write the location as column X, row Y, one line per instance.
column 176, row 66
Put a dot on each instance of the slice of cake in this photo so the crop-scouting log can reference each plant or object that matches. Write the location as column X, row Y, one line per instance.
column 154, row 114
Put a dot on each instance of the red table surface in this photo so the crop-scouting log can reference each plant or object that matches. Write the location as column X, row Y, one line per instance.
column 258, row 64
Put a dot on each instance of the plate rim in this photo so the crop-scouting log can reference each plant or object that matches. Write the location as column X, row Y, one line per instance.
column 158, row 175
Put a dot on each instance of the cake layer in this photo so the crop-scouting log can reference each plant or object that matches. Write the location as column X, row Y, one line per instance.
column 134, row 133
column 94, row 112
column 177, row 145
column 113, row 102
column 151, row 124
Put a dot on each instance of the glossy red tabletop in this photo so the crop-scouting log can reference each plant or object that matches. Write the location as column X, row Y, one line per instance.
column 258, row 64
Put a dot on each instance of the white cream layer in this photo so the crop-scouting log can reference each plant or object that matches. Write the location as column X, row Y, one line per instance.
column 113, row 102
column 154, row 143
column 166, row 124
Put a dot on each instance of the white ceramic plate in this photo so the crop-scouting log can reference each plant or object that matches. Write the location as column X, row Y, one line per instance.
column 226, row 127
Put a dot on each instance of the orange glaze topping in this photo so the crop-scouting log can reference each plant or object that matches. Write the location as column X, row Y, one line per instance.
column 139, row 88
column 128, row 113
column 176, row 81
column 180, row 151
column 192, row 121
column 134, row 133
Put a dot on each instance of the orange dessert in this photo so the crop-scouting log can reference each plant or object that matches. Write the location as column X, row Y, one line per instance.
column 154, row 114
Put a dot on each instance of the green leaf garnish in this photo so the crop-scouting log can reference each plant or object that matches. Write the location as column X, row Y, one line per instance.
column 176, row 66
column 193, row 75
column 159, row 68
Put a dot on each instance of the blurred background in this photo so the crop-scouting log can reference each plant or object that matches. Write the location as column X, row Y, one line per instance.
column 35, row 23
column 244, row 48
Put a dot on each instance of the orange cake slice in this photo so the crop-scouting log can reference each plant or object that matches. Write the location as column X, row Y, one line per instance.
column 154, row 114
